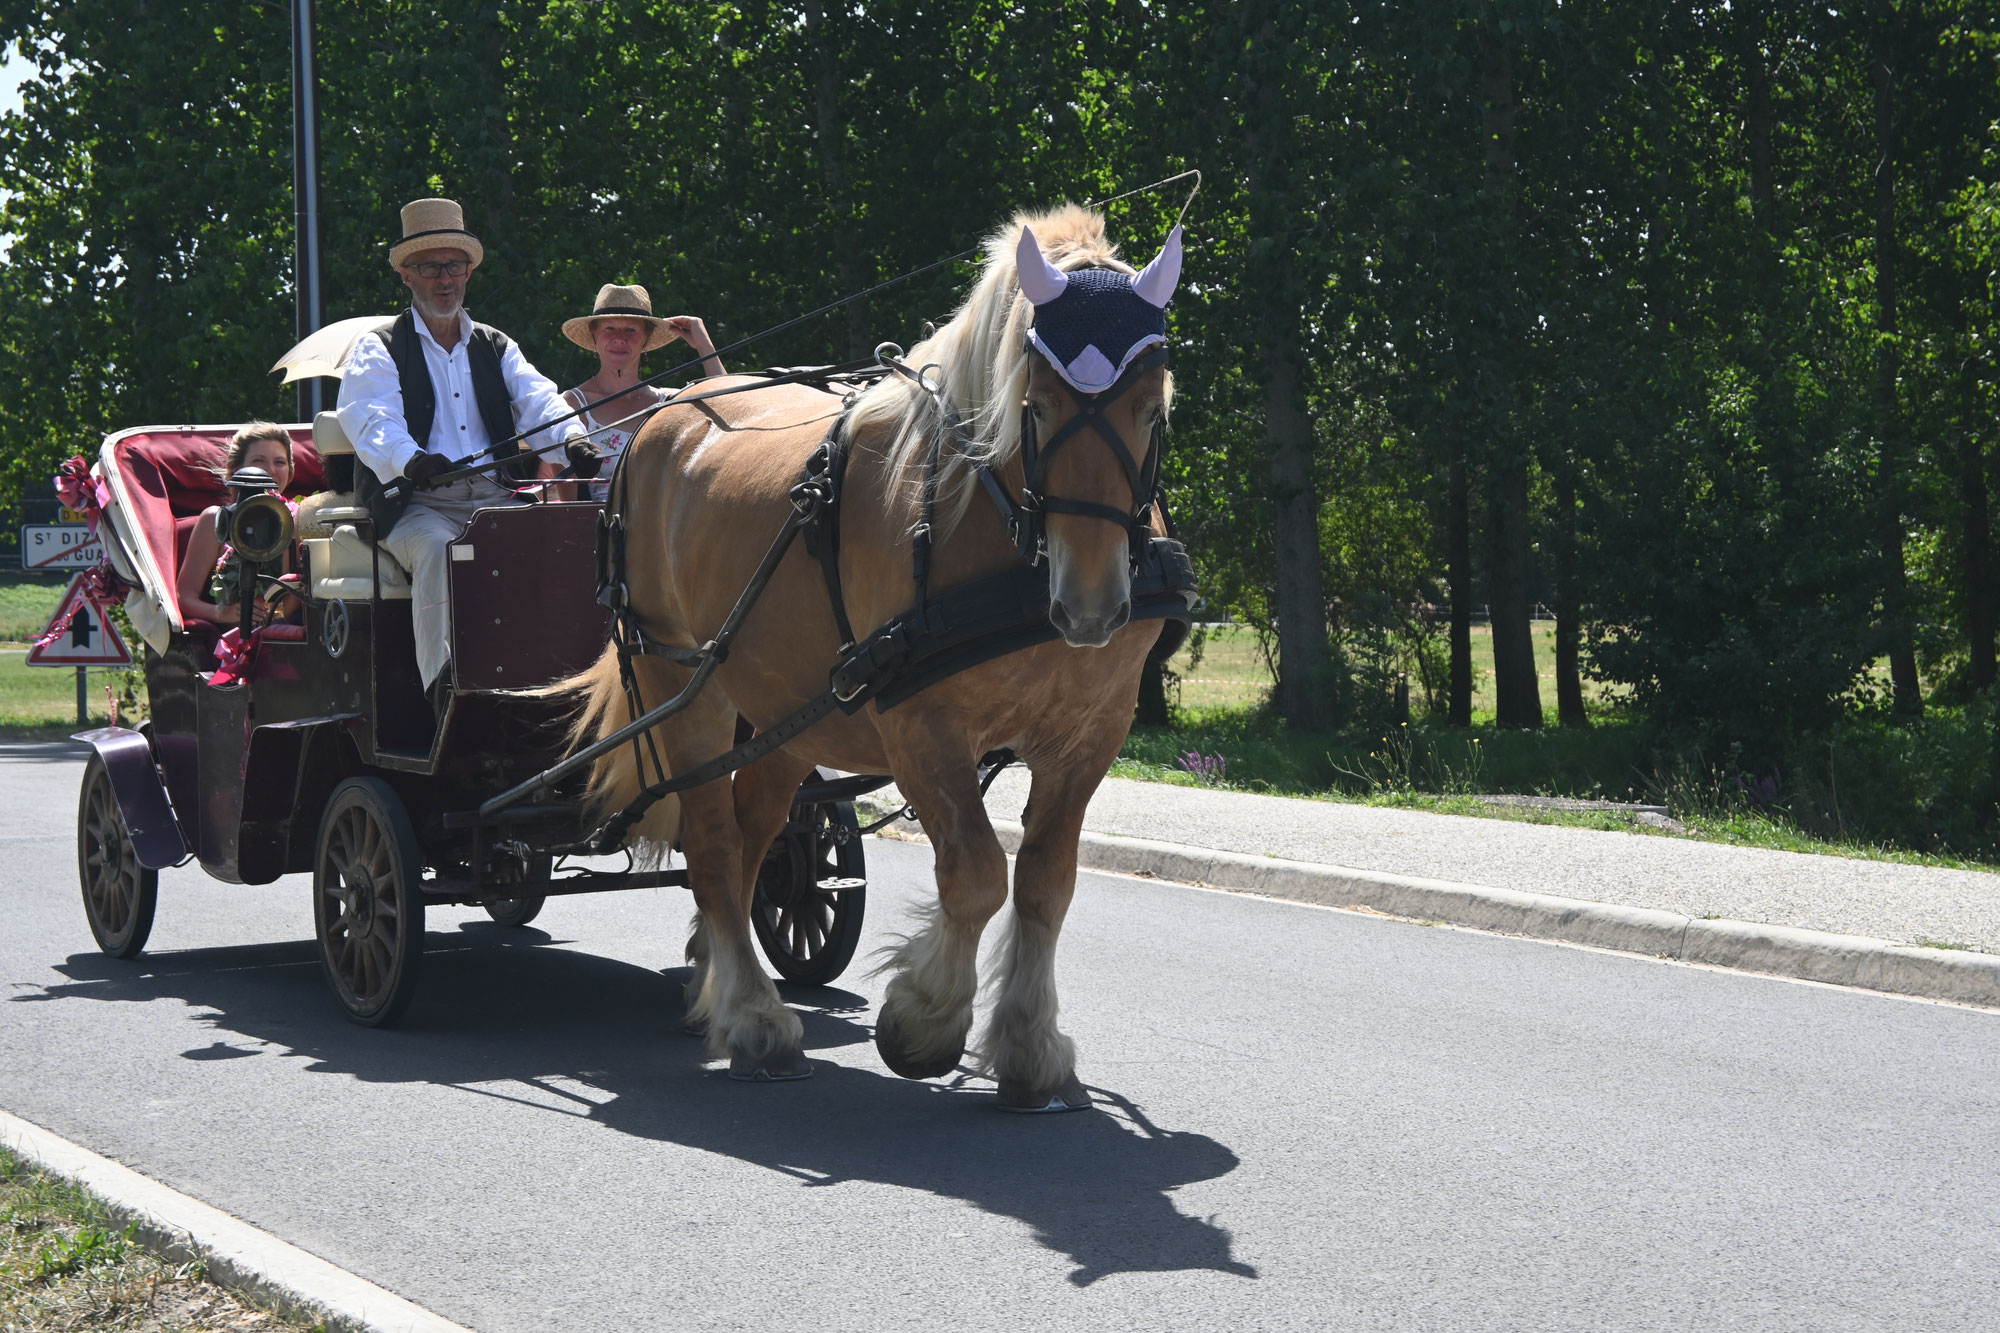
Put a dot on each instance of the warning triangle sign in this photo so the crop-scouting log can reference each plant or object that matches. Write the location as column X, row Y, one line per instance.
column 79, row 634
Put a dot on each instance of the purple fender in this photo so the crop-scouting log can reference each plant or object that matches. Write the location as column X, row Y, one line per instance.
column 142, row 796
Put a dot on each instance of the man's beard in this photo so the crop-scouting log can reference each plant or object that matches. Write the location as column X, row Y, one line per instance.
column 430, row 309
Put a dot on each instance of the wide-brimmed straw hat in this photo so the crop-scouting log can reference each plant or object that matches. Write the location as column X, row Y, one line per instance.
column 435, row 224
column 615, row 302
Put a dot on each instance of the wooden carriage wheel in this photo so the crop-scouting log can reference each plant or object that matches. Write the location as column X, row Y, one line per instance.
column 368, row 904
column 811, row 895
column 119, row 894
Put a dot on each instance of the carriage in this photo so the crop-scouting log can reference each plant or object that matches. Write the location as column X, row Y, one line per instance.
column 311, row 746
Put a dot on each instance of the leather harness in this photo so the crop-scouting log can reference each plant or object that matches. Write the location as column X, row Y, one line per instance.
column 938, row 637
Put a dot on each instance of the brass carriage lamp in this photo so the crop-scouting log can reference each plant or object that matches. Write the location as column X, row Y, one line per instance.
column 258, row 524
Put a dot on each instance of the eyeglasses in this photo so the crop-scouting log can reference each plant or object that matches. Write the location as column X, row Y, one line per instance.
column 456, row 268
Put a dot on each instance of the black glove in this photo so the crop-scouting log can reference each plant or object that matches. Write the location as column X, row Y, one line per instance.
column 584, row 459
column 425, row 466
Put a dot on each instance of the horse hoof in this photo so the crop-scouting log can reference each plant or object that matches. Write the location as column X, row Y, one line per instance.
column 777, row 1067
column 1023, row 1100
column 889, row 1043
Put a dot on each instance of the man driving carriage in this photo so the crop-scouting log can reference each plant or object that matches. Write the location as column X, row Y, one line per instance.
column 432, row 392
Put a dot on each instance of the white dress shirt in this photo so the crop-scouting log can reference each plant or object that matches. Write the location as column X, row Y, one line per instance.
column 371, row 403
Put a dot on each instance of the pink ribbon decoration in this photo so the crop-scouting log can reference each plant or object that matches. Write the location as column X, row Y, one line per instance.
column 78, row 489
column 235, row 656
column 101, row 585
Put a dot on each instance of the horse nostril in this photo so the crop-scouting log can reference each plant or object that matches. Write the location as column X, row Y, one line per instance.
column 1059, row 615
column 1121, row 615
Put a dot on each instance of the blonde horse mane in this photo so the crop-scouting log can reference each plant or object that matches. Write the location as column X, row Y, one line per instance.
column 982, row 360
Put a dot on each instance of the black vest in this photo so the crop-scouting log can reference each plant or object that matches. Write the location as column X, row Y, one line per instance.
column 489, row 394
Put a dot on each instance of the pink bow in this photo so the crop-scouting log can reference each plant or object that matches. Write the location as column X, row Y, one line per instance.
column 78, row 489
column 101, row 585
column 235, row 655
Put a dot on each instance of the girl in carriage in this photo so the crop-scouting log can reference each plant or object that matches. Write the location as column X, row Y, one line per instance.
column 208, row 582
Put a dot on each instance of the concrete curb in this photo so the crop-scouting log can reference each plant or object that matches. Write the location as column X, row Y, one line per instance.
column 239, row 1255
column 1962, row 977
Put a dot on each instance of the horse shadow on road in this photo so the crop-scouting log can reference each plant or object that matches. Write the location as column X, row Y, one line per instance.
column 502, row 1014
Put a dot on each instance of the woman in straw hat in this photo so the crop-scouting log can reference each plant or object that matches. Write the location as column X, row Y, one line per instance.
column 621, row 328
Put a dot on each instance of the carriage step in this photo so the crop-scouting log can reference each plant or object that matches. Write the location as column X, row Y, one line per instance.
column 839, row 885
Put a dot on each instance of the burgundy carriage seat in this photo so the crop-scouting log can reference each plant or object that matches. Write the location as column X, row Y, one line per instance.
column 167, row 476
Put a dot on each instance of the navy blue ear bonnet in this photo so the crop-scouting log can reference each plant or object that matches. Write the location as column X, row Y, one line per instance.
column 1091, row 323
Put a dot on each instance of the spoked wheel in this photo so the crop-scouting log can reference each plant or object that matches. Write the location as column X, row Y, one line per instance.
column 520, row 911
column 811, row 894
column 368, row 904
column 119, row 894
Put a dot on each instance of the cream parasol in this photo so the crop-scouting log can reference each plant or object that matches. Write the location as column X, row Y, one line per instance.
column 324, row 351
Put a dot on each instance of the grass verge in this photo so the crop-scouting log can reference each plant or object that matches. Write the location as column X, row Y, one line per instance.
column 1442, row 769
column 39, row 703
column 26, row 603
column 66, row 1264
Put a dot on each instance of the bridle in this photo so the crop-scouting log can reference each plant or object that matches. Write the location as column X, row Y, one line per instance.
column 1027, row 518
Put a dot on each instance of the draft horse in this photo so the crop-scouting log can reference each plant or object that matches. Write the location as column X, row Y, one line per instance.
column 699, row 490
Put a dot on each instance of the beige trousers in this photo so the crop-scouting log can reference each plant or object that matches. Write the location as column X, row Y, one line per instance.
column 419, row 541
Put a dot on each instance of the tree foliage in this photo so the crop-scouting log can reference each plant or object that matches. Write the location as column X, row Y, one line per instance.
column 1696, row 300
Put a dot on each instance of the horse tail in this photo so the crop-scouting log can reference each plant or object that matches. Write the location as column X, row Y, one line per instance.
column 615, row 779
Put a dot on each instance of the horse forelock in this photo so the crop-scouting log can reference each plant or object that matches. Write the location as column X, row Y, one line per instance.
column 982, row 355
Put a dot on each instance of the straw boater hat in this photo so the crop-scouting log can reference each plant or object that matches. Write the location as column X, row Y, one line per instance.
column 435, row 224
column 618, row 302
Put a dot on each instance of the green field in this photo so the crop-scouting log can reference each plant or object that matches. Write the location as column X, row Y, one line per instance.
column 43, row 699
column 1232, row 673
column 25, row 607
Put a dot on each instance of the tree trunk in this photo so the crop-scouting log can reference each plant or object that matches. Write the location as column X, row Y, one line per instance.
column 1895, row 596
column 1569, row 679
column 1978, row 557
column 1303, row 697
column 1153, row 710
column 830, row 134
column 1458, row 521
column 1516, row 688
column 1759, row 122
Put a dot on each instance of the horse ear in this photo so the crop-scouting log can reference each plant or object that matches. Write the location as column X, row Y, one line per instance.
column 1156, row 282
column 1041, row 282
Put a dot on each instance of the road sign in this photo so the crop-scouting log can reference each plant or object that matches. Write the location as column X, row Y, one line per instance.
column 59, row 546
column 90, row 640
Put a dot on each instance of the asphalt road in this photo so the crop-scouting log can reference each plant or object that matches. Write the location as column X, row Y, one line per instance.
column 1311, row 1119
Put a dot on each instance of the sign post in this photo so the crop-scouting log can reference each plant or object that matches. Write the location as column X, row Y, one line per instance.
column 305, row 194
column 80, row 634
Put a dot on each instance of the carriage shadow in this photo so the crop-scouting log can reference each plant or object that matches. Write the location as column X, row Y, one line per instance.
column 502, row 1014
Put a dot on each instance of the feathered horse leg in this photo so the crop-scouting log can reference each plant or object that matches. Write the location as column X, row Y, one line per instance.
column 746, row 1022
column 934, row 973
column 1034, row 1063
